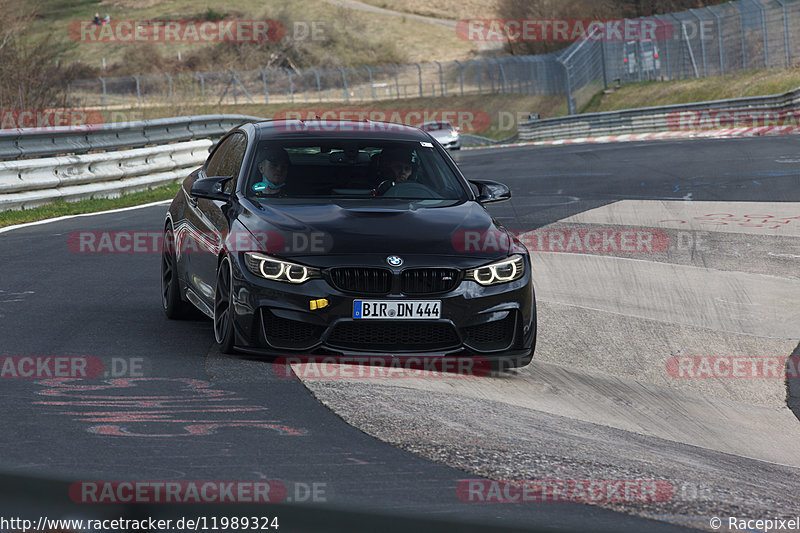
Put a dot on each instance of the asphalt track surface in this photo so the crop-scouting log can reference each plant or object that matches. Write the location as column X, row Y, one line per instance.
column 194, row 414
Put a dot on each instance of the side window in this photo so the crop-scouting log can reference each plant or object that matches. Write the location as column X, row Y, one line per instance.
column 231, row 160
column 212, row 167
column 227, row 159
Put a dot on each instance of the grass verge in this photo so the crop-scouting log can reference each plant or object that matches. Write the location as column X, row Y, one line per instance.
column 61, row 208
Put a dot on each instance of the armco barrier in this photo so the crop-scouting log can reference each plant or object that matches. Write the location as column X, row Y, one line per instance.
column 644, row 120
column 44, row 142
column 31, row 182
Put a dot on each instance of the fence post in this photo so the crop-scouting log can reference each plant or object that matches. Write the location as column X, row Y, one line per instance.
column 478, row 75
column 396, row 82
column 105, row 95
column 169, row 80
column 603, row 62
column 344, row 82
column 702, row 41
column 460, row 75
column 785, row 33
column 763, row 11
column 419, row 70
column 441, row 80
column 291, row 85
column 502, row 73
column 319, row 85
column 264, row 81
column 371, row 88
column 741, row 25
column 138, row 91
column 719, row 39
column 202, row 86
column 667, row 43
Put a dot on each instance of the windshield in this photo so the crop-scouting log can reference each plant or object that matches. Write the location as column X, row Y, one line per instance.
column 352, row 169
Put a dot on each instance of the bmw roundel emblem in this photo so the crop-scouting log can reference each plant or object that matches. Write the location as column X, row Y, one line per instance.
column 394, row 260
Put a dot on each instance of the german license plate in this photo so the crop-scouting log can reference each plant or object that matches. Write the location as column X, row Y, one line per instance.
column 397, row 310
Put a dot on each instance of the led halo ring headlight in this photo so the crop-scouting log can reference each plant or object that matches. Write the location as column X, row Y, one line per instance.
column 503, row 271
column 278, row 270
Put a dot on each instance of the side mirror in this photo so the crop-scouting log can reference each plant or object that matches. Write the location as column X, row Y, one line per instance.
column 490, row 191
column 211, row 188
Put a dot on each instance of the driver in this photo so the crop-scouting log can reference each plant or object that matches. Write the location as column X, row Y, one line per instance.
column 273, row 169
column 396, row 166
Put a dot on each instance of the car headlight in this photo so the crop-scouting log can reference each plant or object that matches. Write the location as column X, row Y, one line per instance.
column 277, row 270
column 499, row 272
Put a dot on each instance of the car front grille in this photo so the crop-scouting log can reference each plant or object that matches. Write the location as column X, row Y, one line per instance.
column 428, row 280
column 397, row 336
column 361, row 280
column 285, row 333
column 491, row 336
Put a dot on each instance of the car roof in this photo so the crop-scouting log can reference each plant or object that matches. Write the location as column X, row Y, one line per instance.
column 337, row 129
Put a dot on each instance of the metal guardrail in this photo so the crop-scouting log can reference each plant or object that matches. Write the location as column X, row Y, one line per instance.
column 45, row 142
column 32, row 182
column 645, row 120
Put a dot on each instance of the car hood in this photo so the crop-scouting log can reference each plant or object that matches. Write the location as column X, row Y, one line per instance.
column 365, row 228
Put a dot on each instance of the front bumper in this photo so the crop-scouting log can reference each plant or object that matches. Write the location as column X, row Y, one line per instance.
column 276, row 319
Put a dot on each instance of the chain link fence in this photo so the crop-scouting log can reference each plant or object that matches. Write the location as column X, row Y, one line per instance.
column 722, row 39
column 513, row 74
column 711, row 41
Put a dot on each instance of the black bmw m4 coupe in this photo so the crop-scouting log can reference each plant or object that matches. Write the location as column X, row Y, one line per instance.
column 346, row 239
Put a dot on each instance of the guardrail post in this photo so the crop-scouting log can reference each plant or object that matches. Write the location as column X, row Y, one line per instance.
column 344, row 82
column 460, row 76
column 264, row 81
column 419, row 70
column 741, row 26
column 319, row 85
column 719, row 39
column 441, row 80
column 702, row 41
column 105, row 95
column 785, row 33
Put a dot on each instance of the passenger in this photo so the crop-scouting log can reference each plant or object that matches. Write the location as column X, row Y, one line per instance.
column 273, row 169
column 396, row 165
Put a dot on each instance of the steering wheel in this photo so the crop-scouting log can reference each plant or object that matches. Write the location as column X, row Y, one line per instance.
column 409, row 189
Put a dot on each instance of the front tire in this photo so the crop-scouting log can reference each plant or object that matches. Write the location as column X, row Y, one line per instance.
column 223, row 307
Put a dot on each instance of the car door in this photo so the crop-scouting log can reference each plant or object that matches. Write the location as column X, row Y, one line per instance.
column 208, row 218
